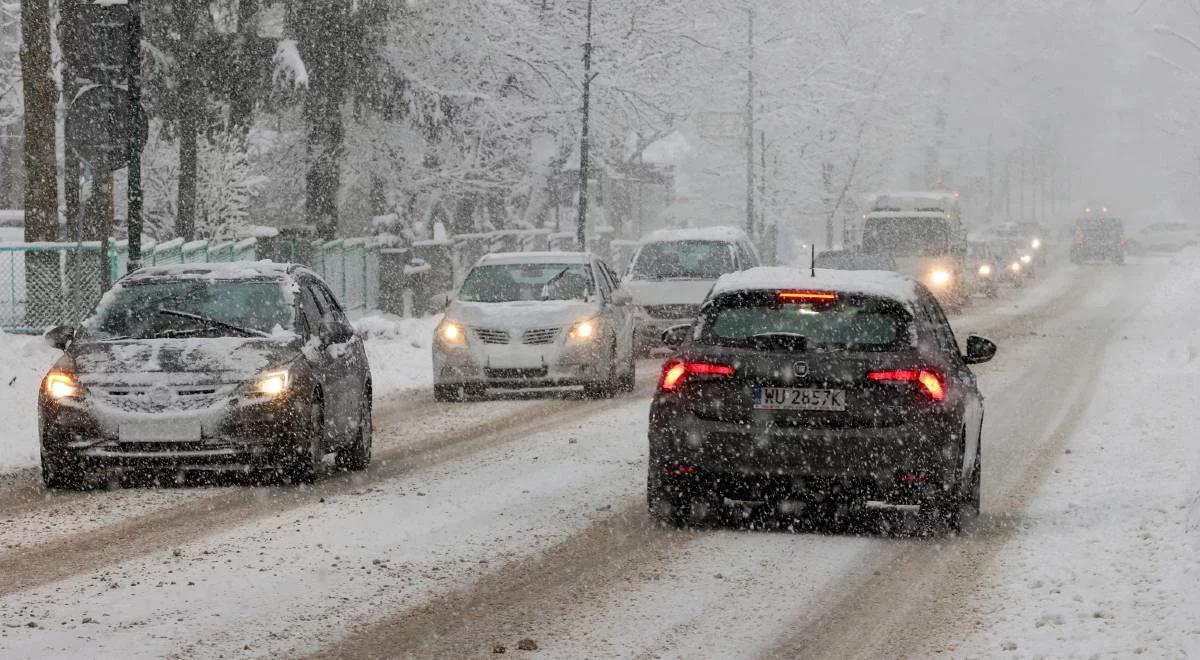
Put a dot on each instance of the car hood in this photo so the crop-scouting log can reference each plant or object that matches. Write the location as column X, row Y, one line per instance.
column 221, row 358
column 523, row 314
column 668, row 292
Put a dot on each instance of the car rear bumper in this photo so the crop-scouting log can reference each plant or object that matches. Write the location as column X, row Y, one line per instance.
column 744, row 461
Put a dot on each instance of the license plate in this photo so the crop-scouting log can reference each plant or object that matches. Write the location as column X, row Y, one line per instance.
column 795, row 398
column 152, row 430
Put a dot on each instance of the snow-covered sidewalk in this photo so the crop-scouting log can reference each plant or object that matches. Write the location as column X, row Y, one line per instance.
column 1105, row 560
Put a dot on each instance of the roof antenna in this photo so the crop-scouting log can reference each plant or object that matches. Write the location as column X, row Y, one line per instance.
column 814, row 259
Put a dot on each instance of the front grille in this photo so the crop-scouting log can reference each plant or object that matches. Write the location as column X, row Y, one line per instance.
column 160, row 398
column 517, row 374
column 491, row 336
column 540, row 336
column 672, row 311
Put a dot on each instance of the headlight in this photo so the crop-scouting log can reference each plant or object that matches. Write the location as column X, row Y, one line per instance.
column 1025, row 258
column 61, row 385
column 584, row 330
column 451, row 333
column 1015, row 267
column 273, row 383
column 940, row 277
column 985, row 270
column 1037, row 244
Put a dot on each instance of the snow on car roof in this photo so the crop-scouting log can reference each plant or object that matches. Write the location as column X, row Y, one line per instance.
column 881, row 283
column 722, row 234
column 536, row 258
column 221, row 271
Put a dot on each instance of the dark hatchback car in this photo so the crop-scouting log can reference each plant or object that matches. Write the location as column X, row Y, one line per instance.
column 1099, row 239
column 242, row 366
column 843, row 390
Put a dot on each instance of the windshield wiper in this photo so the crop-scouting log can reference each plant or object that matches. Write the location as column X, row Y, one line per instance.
column 248, row 332
column 550, row 282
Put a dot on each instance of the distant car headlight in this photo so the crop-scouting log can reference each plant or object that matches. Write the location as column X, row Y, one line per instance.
column 584, row 330
column 1025, row 258
column 1015, row 267
column 273, row 383
column 1037, row 244
column 451, row 333
column 61, row 385
column 985, row 270
column 940, row 277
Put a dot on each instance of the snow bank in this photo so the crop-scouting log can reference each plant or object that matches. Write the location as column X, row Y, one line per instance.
column 399, row 352
column 1105, row 563
column 26, row 360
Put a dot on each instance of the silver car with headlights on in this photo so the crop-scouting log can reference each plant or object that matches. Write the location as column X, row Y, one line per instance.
column 535, row 320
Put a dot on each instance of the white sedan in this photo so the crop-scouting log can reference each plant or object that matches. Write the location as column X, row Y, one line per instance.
column 535, row 320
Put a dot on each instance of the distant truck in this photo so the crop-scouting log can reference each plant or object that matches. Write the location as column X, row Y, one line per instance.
column 925, row 235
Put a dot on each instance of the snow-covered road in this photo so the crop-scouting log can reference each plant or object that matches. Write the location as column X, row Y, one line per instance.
column 483, row 524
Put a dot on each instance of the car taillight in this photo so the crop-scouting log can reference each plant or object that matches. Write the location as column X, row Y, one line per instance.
column 676, row 372
column 1122, row 238
column 1079, row 238
column 931, row 382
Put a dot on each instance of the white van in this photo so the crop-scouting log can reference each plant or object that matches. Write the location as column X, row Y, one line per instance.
column 672, row 272
column 925, row 235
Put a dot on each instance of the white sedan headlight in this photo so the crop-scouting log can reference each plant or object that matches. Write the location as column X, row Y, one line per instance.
column 985, row 270
column 586, row 330
column 1037, row 244
column 451, row 333
column 940, row 277
column 1025, row 258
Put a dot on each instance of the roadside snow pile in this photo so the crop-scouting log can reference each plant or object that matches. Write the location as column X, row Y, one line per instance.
column 399, row 352
column 1106, row 562
column 26, row 359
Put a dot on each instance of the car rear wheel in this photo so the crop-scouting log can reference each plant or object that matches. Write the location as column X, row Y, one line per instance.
column 629, row 379
column 62, row 472
column 357, row 455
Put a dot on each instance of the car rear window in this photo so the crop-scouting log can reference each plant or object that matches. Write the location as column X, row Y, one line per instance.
column 705, row 260
column 852, row 323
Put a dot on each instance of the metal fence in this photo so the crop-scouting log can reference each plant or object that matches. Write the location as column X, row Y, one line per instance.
column 47, row 284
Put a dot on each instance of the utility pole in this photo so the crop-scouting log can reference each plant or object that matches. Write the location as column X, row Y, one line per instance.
column 584, row 146
column 41, row 174
column 134, row 211
column 750, row 123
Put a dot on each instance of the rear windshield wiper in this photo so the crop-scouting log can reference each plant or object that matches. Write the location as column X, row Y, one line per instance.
column 788, row 341
column 248, row 332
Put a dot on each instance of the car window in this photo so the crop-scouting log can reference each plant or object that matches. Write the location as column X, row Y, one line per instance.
column 857, row 323
column 939, row 327
column 311, row 309
column 602, row 282
column 133, row 309
column 331, row 305
column 499, row 283
column 683, row 260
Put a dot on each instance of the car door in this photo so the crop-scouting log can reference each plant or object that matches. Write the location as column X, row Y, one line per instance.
column 349, row 363
column 960, row 375
column 622, row 315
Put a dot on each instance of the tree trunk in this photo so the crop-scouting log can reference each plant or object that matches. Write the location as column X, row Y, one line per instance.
column 189, row 118
column 43, row 292
column 241, row 105
column 323, row 29
column 41, row 179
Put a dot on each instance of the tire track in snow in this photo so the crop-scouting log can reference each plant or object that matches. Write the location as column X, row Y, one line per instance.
column 918, row 589
column 159, row 531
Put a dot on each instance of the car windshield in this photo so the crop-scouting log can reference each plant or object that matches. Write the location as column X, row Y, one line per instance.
column 906, row 236
column 685, row 260
column 149, row 309
column 859, row 323
column 521, row 282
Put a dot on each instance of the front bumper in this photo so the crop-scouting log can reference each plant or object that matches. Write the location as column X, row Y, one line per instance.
column 234, row 435
column 758, row 461
column 516, row 367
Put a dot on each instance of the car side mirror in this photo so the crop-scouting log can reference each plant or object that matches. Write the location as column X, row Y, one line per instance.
column 979, row 350
column 621, row 298
column 333, row 332
column 439, row 302
column 60, row 336
column 675, row 335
